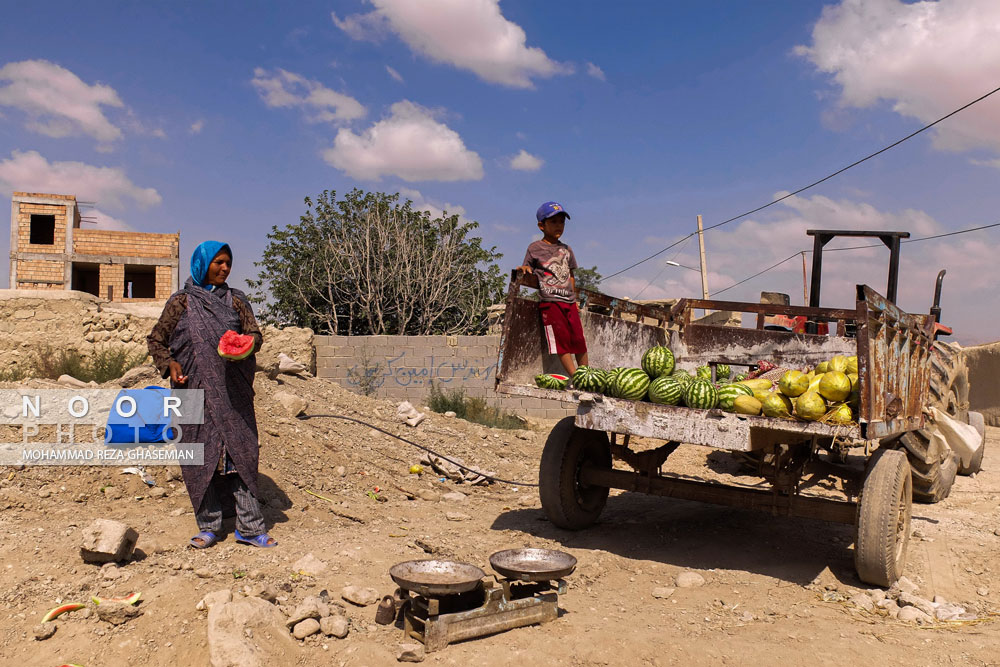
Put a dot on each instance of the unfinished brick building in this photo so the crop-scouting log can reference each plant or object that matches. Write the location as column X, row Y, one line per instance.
column 50, row 250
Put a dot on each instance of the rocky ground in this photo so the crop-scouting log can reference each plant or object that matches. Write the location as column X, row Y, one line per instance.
column 658, row 582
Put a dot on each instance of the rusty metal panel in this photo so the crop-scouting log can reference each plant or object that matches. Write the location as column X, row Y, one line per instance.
column 697, row 344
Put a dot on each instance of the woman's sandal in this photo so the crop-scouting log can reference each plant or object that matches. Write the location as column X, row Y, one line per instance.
column 263, row 541
column 204, row 539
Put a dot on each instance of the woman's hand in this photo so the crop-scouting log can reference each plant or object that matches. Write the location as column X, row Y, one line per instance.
column 176, row 373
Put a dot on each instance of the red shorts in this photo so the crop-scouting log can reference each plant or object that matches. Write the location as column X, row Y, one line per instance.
column 562, row 328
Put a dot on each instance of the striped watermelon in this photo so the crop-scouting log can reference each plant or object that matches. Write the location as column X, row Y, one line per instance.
column 740, row 378
column 551, row 381
column 729, row 392
column 701, row 394
column 658, row 361
column 609, row 380
column 665, row 390
column 681, row 375
column 587, row 378
column 631, row 384
column 704, row 372
column 723, row 372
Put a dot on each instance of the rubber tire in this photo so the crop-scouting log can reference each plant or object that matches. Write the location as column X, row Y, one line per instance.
column 883, row 520
column 977, row 420
column 566, row 502
column 932, row 482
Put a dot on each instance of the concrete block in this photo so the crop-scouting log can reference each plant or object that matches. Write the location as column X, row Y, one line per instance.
column 107, row 541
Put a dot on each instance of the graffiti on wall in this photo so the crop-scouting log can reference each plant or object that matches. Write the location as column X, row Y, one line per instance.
column 396, row 372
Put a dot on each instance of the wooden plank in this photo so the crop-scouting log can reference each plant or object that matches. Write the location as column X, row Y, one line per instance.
column 808, row 507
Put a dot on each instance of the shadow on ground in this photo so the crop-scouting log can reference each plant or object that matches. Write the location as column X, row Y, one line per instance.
column 696, row 535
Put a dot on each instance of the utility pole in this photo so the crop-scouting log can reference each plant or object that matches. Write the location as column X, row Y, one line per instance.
column 805, row 290
column 704, row 268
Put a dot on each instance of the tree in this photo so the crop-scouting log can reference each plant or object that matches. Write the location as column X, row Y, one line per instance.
column 369, row 265
column 587, row 278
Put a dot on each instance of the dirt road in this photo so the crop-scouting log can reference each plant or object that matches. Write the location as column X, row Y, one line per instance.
column 775, row 589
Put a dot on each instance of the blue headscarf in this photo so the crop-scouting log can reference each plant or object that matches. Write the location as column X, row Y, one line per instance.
column 202, row 257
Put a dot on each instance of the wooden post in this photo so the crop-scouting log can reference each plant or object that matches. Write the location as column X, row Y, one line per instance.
column 805, row 288
column 704, row 268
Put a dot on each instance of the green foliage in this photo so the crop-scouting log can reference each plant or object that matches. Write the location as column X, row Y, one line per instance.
column 367, row 264
column 587, row 279
column 106, row 364
column 367, row 376
column 13, row 374
column 471, row 409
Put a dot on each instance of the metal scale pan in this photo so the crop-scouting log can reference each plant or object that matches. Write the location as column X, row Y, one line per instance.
column 435, row 577
column 533, row 564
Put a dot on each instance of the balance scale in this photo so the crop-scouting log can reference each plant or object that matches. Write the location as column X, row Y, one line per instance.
column 448, row 601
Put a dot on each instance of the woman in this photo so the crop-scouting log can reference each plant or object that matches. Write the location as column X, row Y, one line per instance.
column 184, row 345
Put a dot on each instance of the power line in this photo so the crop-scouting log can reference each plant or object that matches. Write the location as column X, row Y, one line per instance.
column 857, row 247
column 814, row 183
column 684, row 241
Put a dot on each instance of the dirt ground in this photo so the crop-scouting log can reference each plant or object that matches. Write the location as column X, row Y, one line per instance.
column 775, row 590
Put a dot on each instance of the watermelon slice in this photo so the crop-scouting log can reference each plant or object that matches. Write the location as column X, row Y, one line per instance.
column 58, row 611
column 234, row 346
column 131, row 599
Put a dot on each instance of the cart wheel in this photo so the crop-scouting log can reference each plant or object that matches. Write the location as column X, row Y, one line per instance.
column 976, row 464
column 883, row 528
column 568, row 503
column 932, row 481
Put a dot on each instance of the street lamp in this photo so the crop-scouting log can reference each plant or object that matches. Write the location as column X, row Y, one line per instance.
column 671, row 262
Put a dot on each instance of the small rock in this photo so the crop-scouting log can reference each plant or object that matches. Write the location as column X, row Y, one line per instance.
column 876, row 594
column 310, row 607
column 341, row 471
column 410, row 653
column 690, row 580
column 70, row 381
column 457, row 516
column 428, row 495
column 982, row 591
column 106, row 541
column 360, row 596
column 264, row 592
column 180, row 511
column 44, row 492
column 43, row 631
column 293, row 405
column 997, row 532
column 948, row 612
column 913, row 614
column 526, row 501
column 663, row 592
column 335, row 626
column 450, row 413
column 416, row 420
column 747, row 617
column 203, row 573
column 862, row 601
column 309, row 565
column 157, row 492
column 890, row 607
column 214, row 598
column 454, row 497
column 303, row 629
column 117, row 613
column 910, row 600
column 902, row 585
column 110, row 571
column 112, row 493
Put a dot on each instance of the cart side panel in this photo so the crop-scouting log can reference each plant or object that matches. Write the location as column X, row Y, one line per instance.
column 610, row 342
column 699, row 344
column 893, row 366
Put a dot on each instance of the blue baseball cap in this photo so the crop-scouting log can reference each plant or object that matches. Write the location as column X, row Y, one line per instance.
column 549, row 209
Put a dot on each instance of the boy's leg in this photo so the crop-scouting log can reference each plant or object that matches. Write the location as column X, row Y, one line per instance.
column 582, row 359
column 567, row 362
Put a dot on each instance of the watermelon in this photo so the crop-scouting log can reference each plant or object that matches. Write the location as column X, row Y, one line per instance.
column 740, row 378
column 681, row 376
column 631, row 384
column 551, row 381
column 587, row 378
column 701, row 394
column 666, row 390
column 234, row 346
column 704, row 372
column 658, row 361
column 723, row 372
column 609, row 380
column 729, row 392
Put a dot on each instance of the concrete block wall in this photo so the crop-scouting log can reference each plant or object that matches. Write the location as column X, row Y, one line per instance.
column 403, row 368
column 25, row 211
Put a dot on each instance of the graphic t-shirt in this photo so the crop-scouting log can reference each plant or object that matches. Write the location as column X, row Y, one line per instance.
column 553, row 264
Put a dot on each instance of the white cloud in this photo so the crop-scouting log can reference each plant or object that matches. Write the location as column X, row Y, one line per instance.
column 101, row 220
column 282, row 88
column 410, row 144
column 742, row 249
column 467, row 34
column 30, row 172
column 394, row 74
column 435, row 208
column 197, row 126
column 525, row 161
column 596, row 72
column 925, row 58
column 57, row 102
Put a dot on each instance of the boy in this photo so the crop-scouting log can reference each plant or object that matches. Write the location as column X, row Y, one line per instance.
column 553, row 262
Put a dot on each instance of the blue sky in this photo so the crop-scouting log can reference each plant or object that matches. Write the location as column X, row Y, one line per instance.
column 637, row 116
